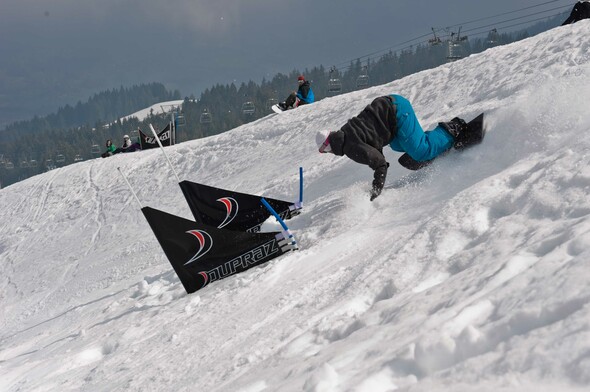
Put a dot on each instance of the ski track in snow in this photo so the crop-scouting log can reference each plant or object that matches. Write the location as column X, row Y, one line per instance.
column 469, row 275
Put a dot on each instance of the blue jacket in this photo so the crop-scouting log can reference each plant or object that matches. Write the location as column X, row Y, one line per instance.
column 305, row 93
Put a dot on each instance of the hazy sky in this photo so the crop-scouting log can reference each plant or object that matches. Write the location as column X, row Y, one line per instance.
column 54, row 52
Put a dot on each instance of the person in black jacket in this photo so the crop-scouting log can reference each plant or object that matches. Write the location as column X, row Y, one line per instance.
column 580, row 11
column 389, row 120
column 302, row 96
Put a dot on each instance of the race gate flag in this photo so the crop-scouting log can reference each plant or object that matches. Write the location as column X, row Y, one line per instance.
column 232, row 210
column 148, row 142
column 201, row 254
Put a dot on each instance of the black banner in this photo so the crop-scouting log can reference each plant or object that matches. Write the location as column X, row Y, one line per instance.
column 201, row 254
column 148, row 142
column 231, row 210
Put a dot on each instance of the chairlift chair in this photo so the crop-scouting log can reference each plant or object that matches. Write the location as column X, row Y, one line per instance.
column 33, row 163
column 205, row 117
column 9, row 165
column 455, row 51
column 248, row 108
column 78, row 158
column 334, row 86
column 435, row 40
column 60, row 158
column 334, row 83
column 24, row 164
column 363, row 79
column 457, row 39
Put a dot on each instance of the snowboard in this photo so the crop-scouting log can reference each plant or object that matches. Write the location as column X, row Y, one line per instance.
column 276, row 108
column 473, row 135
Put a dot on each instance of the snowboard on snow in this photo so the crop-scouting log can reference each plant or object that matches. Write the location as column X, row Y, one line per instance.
column 277, row 109
column 473, row 135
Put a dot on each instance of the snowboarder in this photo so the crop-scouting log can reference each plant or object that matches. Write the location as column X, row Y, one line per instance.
column 110, row 149
column 302, row 96
column 389, row 120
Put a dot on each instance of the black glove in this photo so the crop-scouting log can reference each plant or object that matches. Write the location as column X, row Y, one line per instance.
column 375, row 192
column 379, row 180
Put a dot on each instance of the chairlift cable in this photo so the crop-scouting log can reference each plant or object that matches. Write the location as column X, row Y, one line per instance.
column 343, row 68
column 344, row 64
column 506, row 13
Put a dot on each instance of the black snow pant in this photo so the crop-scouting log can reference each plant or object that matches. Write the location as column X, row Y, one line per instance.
column 290, row 101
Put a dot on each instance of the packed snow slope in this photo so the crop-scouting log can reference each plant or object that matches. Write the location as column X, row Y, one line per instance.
column 471, row 275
